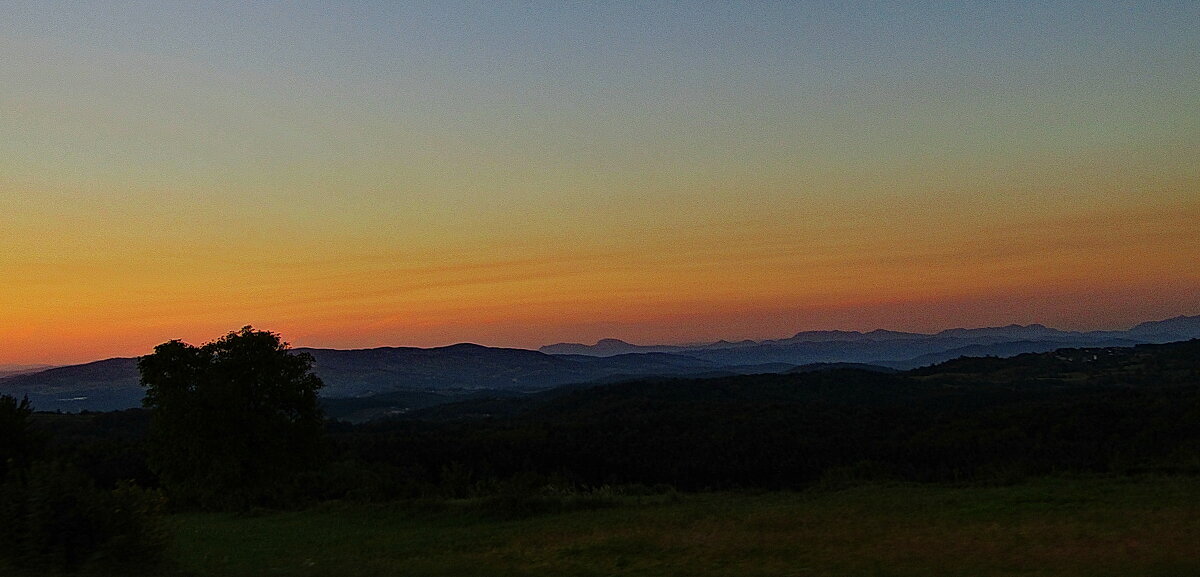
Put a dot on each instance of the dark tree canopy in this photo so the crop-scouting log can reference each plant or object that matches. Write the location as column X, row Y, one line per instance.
column 233, row 419
column 17, row 441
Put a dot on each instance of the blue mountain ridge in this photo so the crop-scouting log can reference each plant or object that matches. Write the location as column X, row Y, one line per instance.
column 469, row 369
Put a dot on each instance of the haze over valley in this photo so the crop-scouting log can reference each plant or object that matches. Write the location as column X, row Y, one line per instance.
column 389, row 379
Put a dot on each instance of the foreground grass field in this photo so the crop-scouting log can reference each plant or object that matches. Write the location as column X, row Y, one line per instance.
column 1145, row 526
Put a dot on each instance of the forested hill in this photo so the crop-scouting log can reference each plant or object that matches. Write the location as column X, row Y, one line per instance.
column 1099, row 410
column 390, row 372
column 1142, row 364
column 1144, row 367
column 365, row 384
column 1076, row 410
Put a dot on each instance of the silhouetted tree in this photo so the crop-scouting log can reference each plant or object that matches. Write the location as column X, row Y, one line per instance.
column 232, row 420
column 17, row 440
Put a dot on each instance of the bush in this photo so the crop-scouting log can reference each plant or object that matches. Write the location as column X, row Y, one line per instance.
column 18, row 443
column 53, row 519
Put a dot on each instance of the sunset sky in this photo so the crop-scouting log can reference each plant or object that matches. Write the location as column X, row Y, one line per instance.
column 356, row 174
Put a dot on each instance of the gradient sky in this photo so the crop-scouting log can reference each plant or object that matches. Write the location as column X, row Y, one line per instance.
column 366, row 173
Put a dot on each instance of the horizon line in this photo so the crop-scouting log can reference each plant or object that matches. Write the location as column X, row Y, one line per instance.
column 18, row 366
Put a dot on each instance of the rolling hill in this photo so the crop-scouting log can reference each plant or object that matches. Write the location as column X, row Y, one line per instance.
column 901, row 350
column 113, row 384
column 402, row 378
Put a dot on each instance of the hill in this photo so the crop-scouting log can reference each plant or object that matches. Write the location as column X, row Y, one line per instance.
column 1080, row 410
column 451, row 371
column 902, row 350
column 464, row 370
column 12, row 370
column 107, row 385
column 1074, row 410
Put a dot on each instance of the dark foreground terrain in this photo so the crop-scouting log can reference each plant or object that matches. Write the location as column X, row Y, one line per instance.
column 1072, row 462
column 1054, row 526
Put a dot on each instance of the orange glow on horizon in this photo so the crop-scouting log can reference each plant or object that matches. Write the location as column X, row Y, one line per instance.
column 1086, row 271
column 370, row 176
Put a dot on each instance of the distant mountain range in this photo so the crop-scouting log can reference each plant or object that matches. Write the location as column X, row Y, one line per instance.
column 900, row 350
column 10, row 370
column 392, row 379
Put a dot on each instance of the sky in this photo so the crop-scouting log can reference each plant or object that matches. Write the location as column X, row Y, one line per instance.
column 358, row 174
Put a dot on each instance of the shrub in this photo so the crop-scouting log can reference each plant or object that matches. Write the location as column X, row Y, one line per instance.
column 53, row 519
column 18, row 443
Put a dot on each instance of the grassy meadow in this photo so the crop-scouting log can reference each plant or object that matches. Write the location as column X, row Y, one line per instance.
column 1055, row 526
